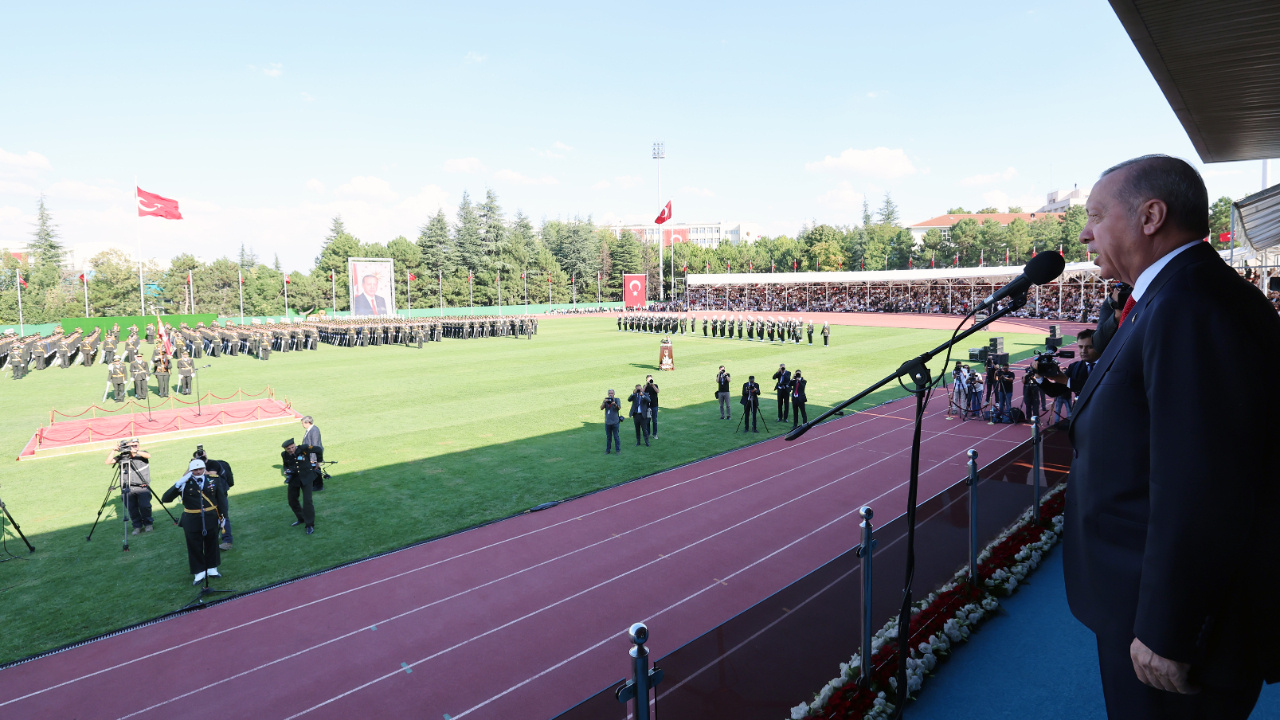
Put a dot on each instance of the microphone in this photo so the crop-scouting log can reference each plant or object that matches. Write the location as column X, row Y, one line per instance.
column 1043, row 268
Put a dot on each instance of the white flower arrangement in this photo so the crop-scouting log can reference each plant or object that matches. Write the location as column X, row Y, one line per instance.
column 924, row 658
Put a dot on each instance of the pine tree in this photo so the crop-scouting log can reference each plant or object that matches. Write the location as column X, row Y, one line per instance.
column 888, row 211
column 436, row 245
column 248, row 259
column 467, row 236
column 493, row 231
column 46, row 251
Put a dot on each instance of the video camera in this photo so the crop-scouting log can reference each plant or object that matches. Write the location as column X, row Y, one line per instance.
column 1045, row 363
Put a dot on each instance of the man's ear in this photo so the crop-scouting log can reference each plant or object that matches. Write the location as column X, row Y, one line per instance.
column 1152, row 214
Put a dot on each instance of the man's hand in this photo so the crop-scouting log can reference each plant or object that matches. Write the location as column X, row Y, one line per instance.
column 1158, row 672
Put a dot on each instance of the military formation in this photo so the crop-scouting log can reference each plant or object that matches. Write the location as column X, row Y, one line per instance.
column 752, row 328
column 363, row 332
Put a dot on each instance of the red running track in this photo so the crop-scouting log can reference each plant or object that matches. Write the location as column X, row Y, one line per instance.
column 522, row 618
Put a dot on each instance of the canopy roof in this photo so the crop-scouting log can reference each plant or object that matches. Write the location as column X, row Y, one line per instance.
column 1218, row 64
column 877, row 276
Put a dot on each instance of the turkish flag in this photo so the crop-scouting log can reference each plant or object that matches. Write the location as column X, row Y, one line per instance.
column 1224, row 237
column 675, row 235
column 188, row 277
column 412, row 276
column 152, row 204
column 635, row 291
column 20, row 280
column 286, row 279
column 82, row 277
column 665, row 215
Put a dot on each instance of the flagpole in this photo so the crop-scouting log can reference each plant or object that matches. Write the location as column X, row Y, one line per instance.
column 137, row 234
column 333, row 293
column 240, row 274
column 471, row 288
column 286, row 297
column 524, row 279
column 499, row 293
column 659, row 152
column 441, row 279
column 22, row 331
column 408, row 294
column 85, row 280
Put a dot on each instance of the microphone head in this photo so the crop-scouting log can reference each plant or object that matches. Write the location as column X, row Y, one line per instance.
column 1044, row 268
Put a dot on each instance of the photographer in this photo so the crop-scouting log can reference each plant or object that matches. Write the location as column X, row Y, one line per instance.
column 300, row 475
column 798, row 399
column 974, row 395
column 200, row 500
column 750, row 403
column 611, row 406
column 651, row 389
column 1075, row 376
column 220, row 472
column 135, row 482
column 1004, row 393
column 640, row 414
column 722, row 393
column 783, row 388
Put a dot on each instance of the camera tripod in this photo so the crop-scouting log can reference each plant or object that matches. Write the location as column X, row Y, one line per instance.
column 124, row 504
column 17, row 528
column 755, row 407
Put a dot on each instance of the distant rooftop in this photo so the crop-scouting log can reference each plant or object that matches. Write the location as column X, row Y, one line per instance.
column 1002, row 218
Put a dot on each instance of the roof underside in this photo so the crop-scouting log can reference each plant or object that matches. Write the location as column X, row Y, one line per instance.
column 1218, row 64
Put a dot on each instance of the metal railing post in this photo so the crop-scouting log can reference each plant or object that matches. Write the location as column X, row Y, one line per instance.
column 972, row 482
column 1035, row 465
column 865, row 551
column 643, row 679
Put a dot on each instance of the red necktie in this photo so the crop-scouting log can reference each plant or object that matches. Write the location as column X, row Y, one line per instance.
column 1128, row 305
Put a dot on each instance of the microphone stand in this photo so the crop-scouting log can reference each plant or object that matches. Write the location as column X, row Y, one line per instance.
column 196, row 371
column 917, row 369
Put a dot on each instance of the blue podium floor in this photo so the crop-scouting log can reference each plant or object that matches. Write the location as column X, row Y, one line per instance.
column 1033, row 660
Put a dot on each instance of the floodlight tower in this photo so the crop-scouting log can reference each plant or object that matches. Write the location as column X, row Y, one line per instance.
column 660, row 152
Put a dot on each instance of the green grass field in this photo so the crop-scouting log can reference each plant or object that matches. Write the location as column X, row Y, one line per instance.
column 429, row 442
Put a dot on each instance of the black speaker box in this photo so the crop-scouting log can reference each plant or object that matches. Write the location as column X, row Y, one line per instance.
column 977, row 354
column 1002, row 358
column 1052, row 343
column 1055, row 331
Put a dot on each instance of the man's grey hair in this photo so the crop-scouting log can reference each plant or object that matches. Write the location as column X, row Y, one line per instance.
column 307, row 419
column 1172, row 181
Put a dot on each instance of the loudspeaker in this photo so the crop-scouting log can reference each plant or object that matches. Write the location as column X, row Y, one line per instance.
column 977, row 354
column 996, row 344
column 1055, row 331
column 1002, row 358
column 1273, row 284
column 1052, row 343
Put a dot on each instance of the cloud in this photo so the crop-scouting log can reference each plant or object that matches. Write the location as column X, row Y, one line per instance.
column 1001, row 200
column 1008, row 174
column 557, row 150
column 700, row 192
column 306, row 97
column 367, row 187
column 602, row 185
column 12, row 187
column 273, row 70
column 626, row 182
column 474, row 57
column 30, row 163
column 842, row 197
column 470, row 166
column 76, row 190
column 871, row 95
column 515, row 177
column 879, row 162
column 425, row 202
column 315, row 186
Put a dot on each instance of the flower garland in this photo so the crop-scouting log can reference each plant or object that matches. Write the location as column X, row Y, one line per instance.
column 941, row 621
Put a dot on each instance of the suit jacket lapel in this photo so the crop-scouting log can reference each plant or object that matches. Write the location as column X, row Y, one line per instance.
column 1118, row 341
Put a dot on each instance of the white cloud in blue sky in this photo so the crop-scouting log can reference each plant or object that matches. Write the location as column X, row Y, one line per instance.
column 265, row 121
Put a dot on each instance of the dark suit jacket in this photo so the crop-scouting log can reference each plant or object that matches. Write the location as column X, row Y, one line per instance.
column 361, row 306
column 750, row 394
column 797, row 390
column 1171, row 520
column 784, row 380
column 1077, row 375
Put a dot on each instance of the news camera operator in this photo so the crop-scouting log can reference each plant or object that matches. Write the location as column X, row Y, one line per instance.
column 1075, row 376
column 1003, row 381
column 135, row 482
column 722, row 393
column 220, row 472
column 750, row 404
column 299, row 470
column 611, row 406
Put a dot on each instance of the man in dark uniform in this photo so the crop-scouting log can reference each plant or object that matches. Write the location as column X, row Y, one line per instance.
column 826, row 334
column 138, row 369
column 704, row 327
column 751, row 328
column 809, row 329
column 161, row 370
column 783, row 388
column 200, row 520
column 116, row 376
column 300, row 474
column 220, row 472
column 185, row 370
column 750, row 404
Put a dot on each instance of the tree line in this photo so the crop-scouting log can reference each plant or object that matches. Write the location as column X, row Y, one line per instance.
column 460, row 261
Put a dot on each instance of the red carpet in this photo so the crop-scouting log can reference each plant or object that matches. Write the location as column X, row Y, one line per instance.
column 522, row 618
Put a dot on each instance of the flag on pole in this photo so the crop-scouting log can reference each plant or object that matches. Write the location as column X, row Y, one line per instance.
column 864, row 264
column 957, row 261
column 21, row 282
column 286, row 279
column 1006, row 256
column 931, row 258
column 751, row 265
column 1060, row 250
column 908, row 262
column 839, row 263
column 241, row 276
column 164, row 336
column 773, row 266
column 157, row 206
column 664, row 215
column 793, row 266
column 188, row 277
column 82, row 277
column 982, row 257
column 412, row 276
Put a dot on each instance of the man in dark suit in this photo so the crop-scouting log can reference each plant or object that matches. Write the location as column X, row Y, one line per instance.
column 782, row 386
column 1077, row 373
column 798, row 399
column 750, row 404
column 640, row 414
column 369, row 302
column 1171, row 547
